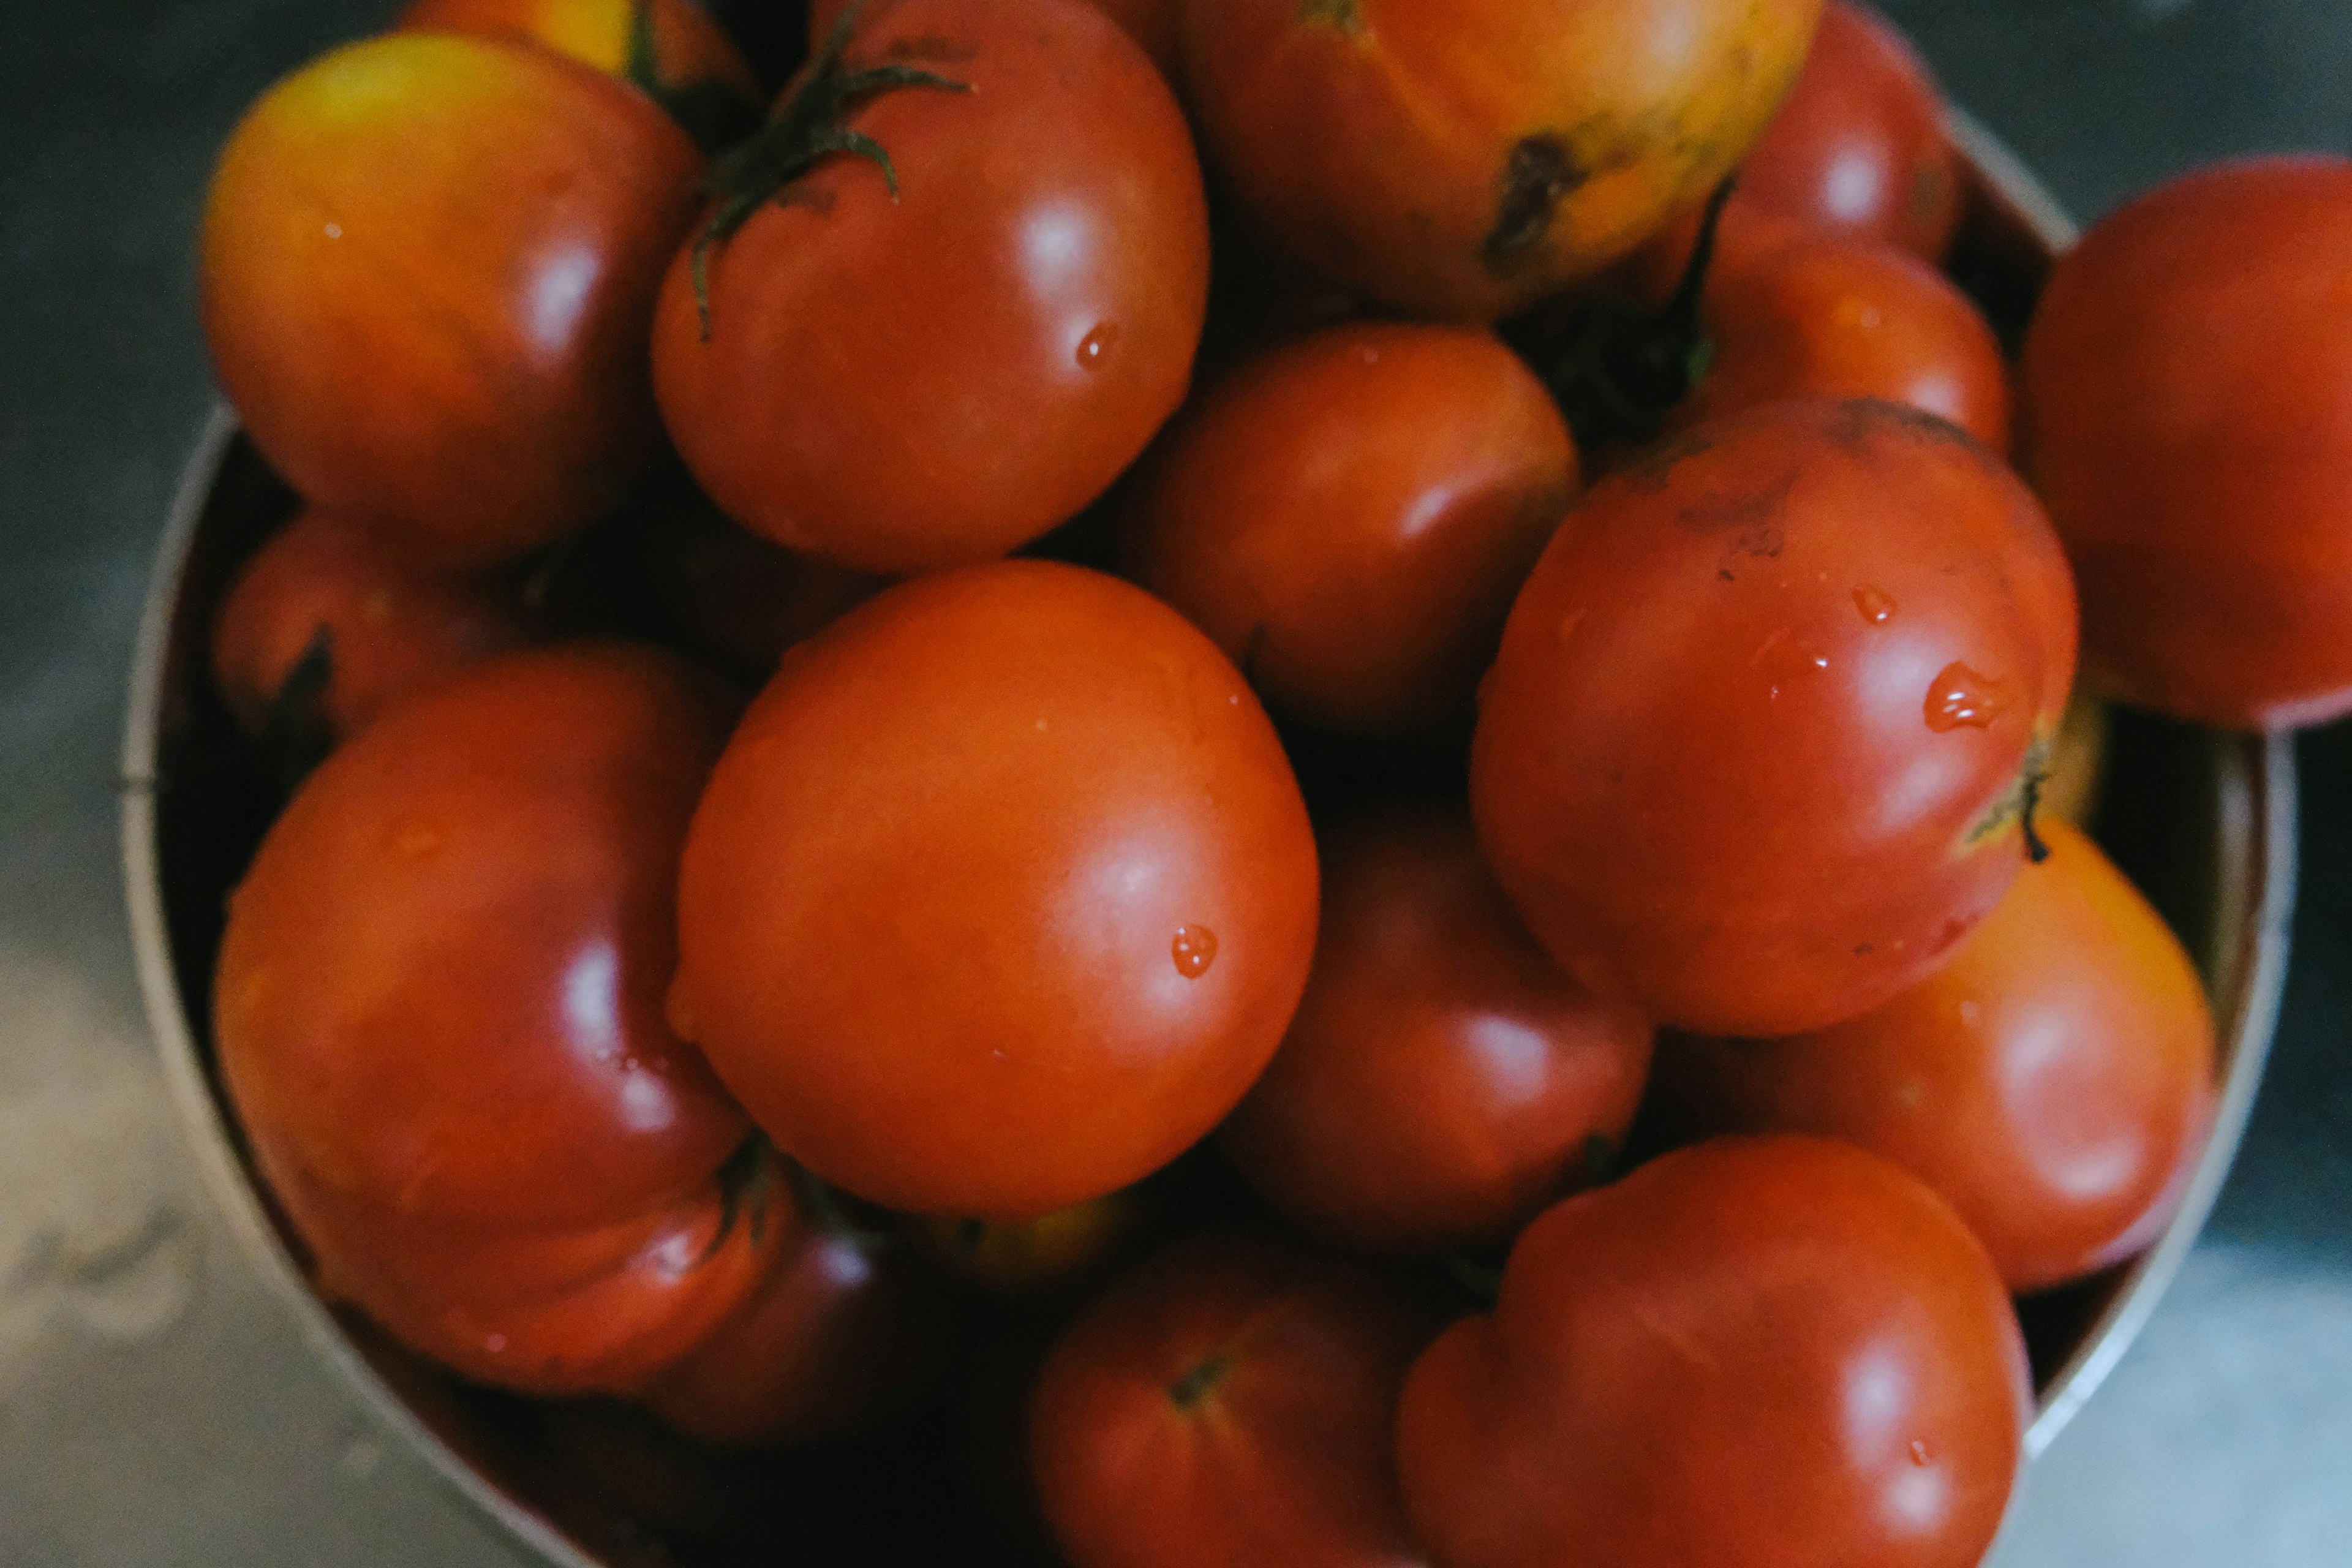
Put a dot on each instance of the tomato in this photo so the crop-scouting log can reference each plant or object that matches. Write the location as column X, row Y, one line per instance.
column 1755, row 750
column 374, row 628
column 2186, row 400
column 1755, row 1352
column 897, row 384
column 1037, row 1257
column 1002, row 896
column 1229, row 1402
column 1155, row 23
column 689, row 48
column 440, row 991
column 1860, row 147
column 1442, row 1081
column 2053, row 1081
column 1463, row 161
column 429, row 269
column 1348, row 516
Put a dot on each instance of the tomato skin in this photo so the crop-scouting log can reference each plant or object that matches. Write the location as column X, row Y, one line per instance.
column 1348, row 516
column 1002, row 896
column 1753, row 1352
column 1154, row 24
column 2053, row 1081
column 688, row 46
column 1281, row 1451
column 527, row 207
column 441, row 988
column 1443, row 1078
column 901, row 385
column 2186, row 409
column 1712, row 766
column 1860, row 146
column 1399, row 147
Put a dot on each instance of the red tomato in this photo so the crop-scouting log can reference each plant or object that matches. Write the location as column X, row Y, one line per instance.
column 1230, row 1403
column 1002, row 896
column 1756, row 747
column 1463, row 161
column 1443, row 1081
column 1154, row 24
column 2053, row 1081
column 1348, row 516
column 899, row 383
column 429, row 271
column 687, row 46
column 384, row 628
column 1037, row 1257
column 1860, row 146
column 2186, row 409
column 1759, row 1352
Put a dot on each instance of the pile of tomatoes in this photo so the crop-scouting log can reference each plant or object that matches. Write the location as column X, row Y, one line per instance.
column 1393, row 887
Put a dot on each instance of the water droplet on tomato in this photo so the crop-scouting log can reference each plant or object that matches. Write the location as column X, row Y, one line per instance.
column 1919, row 1453
column 1194, row 949
column 1097, row 345
column 495, row 1344
column 1877, row 606
column 1964, row 696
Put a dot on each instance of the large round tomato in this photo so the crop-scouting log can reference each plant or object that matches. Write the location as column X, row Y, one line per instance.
column 1229, row 1401
column 429, row 271
column 897, row 383
column 1154, row 24
column 688, row 47
column 1443, row 1081
column 1350, row 515
column 2186, row 410
column 1755, row 1353
column 1755, row 750
column 2053, row 1081
column 1002, row 896
column 1462, row 161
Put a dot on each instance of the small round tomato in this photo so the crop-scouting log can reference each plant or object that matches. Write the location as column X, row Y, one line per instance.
column 1463, row 161
column 1038, row 1257
column 1229, row 1402
column 688, row 47
column 1002, row 896
column 2186, row 410
column 429, row 271
column 2053, row 1081
column 1757, row 747
column 1348, row 516
column 1154, row 24
column 1758, row 1351
column 1442, row 1081
column 897, row 382
column 371, row 628
column 1860, row 146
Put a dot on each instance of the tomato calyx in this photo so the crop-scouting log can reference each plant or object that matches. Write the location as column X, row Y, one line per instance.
column 709, row 111
column 2021, row 804
column 743, row 1194
column 806, row 130
column 1200, row 1380
column 296, row 733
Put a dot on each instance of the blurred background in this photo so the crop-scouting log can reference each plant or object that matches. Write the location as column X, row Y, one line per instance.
column 158, row 1409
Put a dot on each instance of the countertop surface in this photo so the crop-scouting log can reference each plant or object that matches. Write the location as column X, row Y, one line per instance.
column 158, row 1408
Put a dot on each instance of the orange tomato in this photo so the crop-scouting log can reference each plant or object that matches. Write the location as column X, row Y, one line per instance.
column 689, row 48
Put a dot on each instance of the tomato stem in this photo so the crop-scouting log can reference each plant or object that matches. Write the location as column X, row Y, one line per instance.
column 714, row 114
column 1200, row 1380
column 2036, row 850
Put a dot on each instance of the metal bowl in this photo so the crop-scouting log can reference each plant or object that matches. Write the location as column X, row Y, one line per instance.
column 2204, row 822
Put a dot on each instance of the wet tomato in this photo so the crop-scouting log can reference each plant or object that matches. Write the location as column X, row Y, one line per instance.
column 2186, row 409
column 1443, row 1081
column 688, row 47
column 1155, row 23
column 429, row 269
column 1229, row 1402
column 1464, row 161
column 901, row 382
column 1002, row 896
column 1348, row 516
column 1756, row 1352
column 2053, row 1081
column 1755, row 750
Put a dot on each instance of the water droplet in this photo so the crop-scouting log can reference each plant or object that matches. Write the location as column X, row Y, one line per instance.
column 1194, row 950
column 495, row 1344
column 1970, row 1013
column 335, row 231
column 1098, row 345
column 1856, row 314
column 1964, row 696
column 1369, row 354
column 1919, row 1453
column 631, row 1064
column 1877, row 606
column 412, row 840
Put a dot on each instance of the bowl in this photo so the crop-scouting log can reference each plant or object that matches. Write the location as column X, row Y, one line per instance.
column 2204, row 822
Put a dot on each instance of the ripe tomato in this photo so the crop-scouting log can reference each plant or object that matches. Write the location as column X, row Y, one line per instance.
column 1032, row 1258
column 429, row 271
column 2186, row 409
column 1755, row 1352
column 1442, row 1081
column 689, row 48
column 1348, row 516
column 1002, row 896
column 901, row 382
column 1463, row 161
column 1755, row 751
column 1860, row 146
column 2053, row 1081
column 1229, row 1401
column 379, row 628
column 1154, row 24
column 440, row 991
